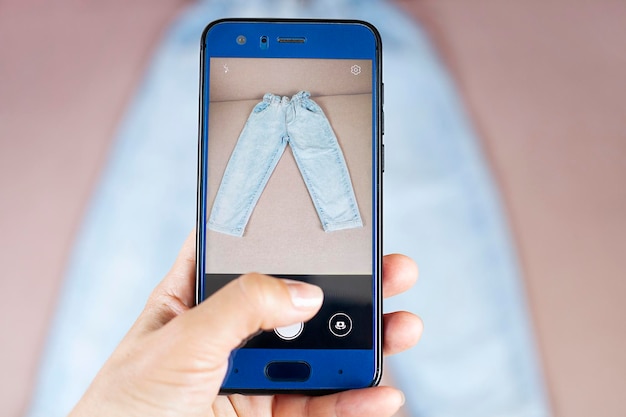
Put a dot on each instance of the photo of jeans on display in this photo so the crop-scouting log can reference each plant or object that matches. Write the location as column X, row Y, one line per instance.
column 274, row 123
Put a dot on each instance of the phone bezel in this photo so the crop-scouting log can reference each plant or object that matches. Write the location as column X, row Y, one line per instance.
column 317, row 358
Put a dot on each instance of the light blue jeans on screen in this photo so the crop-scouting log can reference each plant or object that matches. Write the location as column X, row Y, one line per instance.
column 274, row 123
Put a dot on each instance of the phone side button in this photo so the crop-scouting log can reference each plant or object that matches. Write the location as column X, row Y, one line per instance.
column 288, row 371
column 382, row 157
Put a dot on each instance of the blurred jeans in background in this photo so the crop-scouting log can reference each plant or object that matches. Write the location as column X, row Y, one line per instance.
column 477, row 356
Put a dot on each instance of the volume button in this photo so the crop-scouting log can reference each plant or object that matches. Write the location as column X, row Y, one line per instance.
column 382, row 121
column 382, row 157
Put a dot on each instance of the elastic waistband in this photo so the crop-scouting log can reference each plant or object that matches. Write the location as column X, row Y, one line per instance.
column 274, row 99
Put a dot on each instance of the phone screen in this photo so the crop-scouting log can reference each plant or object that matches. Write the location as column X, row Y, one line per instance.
column 291, row 183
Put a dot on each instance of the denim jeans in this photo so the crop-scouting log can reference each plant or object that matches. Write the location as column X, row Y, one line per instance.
column 274, row 123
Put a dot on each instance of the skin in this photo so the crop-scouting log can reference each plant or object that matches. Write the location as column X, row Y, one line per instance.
column 174, row 358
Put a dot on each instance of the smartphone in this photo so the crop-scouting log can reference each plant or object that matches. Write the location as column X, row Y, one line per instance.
column 290, row 183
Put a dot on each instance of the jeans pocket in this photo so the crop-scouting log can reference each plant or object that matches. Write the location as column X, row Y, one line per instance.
column 312, row 106
column 260, row 107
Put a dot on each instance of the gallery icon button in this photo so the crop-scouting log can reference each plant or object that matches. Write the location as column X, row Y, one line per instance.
column 340, row 324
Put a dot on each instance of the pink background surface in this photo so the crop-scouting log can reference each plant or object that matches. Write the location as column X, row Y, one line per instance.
column 544, row 85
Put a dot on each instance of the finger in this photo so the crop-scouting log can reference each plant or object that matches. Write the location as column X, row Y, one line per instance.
column 402, row 330
column 242, row 307
column 175, row 294
column 399, row 274
column 374, row 402
column 180, row 281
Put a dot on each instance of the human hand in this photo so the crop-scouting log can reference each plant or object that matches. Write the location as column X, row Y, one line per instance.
column 174, row 358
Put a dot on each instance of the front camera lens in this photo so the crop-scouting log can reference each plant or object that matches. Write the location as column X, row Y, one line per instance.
column 241, row 40
column 264, row 42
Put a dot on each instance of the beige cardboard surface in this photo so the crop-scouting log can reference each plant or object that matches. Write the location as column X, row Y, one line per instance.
column 284, row 234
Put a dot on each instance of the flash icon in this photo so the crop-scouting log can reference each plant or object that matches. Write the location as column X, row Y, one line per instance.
column 225, row 68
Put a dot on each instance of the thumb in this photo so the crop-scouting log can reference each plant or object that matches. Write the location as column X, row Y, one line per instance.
column 246, row 305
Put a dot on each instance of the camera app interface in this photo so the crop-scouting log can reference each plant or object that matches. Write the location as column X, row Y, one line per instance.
column 290, row 188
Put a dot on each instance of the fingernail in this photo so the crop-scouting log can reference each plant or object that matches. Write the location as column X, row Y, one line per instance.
column 402, row 398
column 304, row 295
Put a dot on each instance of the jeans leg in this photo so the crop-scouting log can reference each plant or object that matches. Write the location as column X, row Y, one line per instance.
column 322, row 164
column 258, row 150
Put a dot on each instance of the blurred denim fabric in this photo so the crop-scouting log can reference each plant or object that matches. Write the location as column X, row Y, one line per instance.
column 476, row 358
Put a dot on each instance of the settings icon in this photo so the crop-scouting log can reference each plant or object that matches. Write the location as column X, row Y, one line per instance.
column 355, row 69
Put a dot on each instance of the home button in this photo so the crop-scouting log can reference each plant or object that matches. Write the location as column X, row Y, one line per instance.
column 288, row 371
